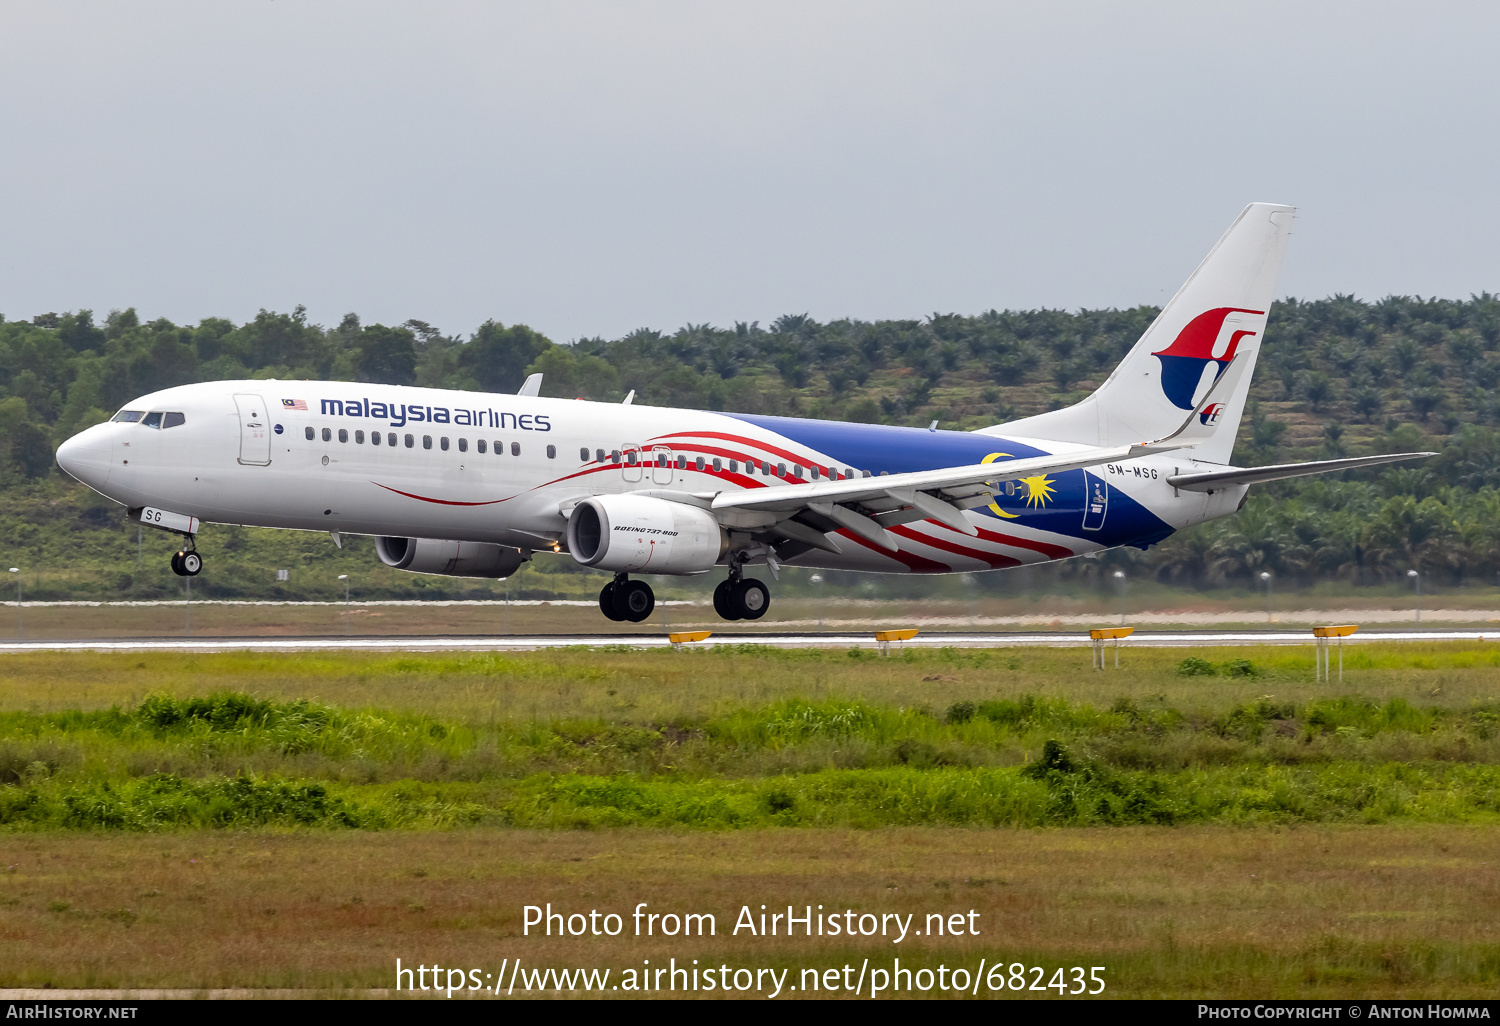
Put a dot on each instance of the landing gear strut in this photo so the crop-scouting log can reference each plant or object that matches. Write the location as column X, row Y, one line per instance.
column 624, row 599
column 741, row 598
column 186, row 562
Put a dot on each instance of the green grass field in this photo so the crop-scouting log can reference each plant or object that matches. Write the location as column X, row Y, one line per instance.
column 355, row 769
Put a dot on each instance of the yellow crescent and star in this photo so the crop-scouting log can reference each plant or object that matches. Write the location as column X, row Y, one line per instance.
column 1038, row 489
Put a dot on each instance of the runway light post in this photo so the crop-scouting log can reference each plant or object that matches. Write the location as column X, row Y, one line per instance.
column 1416, row 580
column 20, row 615
column 818, row 579
column 1120, row 583
column 1265, row 579
column 345, row 579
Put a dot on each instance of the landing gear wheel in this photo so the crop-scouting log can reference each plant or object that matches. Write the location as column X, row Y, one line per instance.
column 750, row 599
column 724, row 601
column 607, row 602
column 191, row 563
column 634, row 601
column 177, row 565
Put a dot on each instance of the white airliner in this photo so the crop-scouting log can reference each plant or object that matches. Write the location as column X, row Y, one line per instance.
column 472, row 484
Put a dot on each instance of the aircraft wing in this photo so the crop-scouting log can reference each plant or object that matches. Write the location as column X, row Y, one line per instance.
column 789, row 498
column 866, row 506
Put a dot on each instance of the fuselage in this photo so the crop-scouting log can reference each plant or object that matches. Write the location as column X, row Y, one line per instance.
column 498, row 468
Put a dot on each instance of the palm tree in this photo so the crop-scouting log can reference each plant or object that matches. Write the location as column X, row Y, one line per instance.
column 1407, row 534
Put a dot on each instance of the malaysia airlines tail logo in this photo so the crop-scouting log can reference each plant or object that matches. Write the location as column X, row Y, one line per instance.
column 1183, row 361
column 1211, row 414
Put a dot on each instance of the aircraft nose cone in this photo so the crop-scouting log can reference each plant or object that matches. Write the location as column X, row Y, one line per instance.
column 86, row 456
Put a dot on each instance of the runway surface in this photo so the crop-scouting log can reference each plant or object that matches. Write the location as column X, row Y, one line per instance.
column 512, row 643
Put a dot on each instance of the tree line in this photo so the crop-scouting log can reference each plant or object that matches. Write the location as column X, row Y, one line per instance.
column 1338, row 376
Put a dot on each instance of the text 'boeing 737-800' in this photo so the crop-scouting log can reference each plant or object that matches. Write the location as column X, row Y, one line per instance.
column 472, row 484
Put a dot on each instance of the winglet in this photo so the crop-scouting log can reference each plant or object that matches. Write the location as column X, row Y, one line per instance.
column 532, row 385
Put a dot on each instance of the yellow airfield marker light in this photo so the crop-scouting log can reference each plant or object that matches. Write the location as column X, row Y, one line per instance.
column 1340, row 631
column 1102, row 634
column 883, row 639
column 678, row 638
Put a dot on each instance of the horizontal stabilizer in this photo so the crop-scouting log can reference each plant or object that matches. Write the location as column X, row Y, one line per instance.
column 1216, row 479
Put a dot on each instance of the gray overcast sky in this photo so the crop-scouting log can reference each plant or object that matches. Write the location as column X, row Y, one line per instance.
column 590, row 168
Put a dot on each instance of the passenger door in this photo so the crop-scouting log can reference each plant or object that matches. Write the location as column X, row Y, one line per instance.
column 662, row 470
column 1095, row 502
column 255, row 430
column 631, row 470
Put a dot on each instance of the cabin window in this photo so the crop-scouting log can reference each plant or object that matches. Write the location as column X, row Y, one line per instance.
column 583, row 455
column 443, row 443
column 427, row 441
column 311, row 434
column 631, row 458
column 374, row 437
column 700, row 463
column 344, row 435
column 515, row 448
column 499, row 448
column 152, row 420
column 463, row 445
column 598, row 455
column 750, row 468
column 864, row 473
column 798, row 470
column 734, row 466
column 885, row 473
column 327, row 434
column 390, row 439
column 814, row 473
column 614, row 457
column 682, row 463
column 765, row 467
column 410, row 441
column 848, row 472
column 128, row 416
column 359, row 438
column 717, row 465
column 552, row 452
column 169, row 420
column 781, row 470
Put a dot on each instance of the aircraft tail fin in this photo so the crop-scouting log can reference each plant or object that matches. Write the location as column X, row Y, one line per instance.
column 1215, row 322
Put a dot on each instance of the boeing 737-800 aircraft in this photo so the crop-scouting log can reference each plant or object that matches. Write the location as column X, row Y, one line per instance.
column 472, row 484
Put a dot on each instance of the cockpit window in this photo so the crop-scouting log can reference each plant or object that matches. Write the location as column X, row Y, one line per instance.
column 152, row 420
column 170, row 420
column 128, row 416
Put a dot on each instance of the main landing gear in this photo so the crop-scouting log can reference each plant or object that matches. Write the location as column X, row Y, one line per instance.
column 186, row 562
column 624, row 599
column 741, row 598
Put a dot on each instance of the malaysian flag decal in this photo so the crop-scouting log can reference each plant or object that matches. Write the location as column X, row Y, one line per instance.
column 294, row 404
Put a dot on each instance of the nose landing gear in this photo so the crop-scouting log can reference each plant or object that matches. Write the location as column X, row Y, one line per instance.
column 624, row 599
column 186, row 562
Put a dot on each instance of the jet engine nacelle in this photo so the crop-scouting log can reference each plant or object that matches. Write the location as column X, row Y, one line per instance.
column 449, row 558
column 642, row 534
